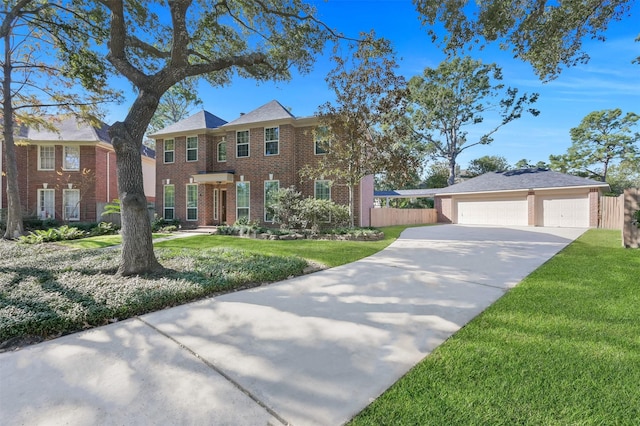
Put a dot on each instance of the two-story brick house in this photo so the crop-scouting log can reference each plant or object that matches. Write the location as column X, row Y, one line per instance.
column 212, row 172
column 68, row 174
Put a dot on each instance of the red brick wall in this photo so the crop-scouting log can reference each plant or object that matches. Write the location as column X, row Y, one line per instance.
column 296, row 148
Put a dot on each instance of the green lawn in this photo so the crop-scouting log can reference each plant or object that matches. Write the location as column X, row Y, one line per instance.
column 562, row 348
column 100, row 241
column 329, row 253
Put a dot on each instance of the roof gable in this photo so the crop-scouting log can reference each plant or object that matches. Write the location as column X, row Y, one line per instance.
column 512, row 180
column 267, row 112
column 69, row 129
column 198, row 121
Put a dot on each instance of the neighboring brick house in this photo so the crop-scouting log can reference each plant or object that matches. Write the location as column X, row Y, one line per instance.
column 69, row 174
column 211, row 172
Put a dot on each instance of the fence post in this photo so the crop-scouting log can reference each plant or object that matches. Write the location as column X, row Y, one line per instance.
column 630, row 231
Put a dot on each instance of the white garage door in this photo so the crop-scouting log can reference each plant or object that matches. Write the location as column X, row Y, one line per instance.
column 568, row 211
column 496, row 211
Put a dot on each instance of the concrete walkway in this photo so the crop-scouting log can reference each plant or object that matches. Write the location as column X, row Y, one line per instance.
column 313, row 350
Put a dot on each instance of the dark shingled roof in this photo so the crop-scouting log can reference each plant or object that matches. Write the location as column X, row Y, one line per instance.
column 267, row 112
column 198, row 121
column 512, row 180
column 69, row 129
column 407, row 193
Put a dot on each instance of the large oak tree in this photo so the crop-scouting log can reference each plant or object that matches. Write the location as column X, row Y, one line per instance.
column 156, row 45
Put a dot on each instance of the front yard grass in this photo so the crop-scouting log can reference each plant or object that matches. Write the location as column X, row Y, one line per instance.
column 561, row 348
column 101, row 241
column 47, row 290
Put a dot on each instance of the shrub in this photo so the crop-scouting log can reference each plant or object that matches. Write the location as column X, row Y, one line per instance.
column 159, row 223
column 103, row 228
column 64, row 232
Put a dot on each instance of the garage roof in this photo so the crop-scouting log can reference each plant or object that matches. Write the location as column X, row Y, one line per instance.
column 514, row 180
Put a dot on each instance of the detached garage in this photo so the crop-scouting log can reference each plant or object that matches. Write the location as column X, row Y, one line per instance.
column 527, row 197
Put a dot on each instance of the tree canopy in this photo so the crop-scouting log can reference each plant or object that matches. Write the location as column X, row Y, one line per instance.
column 363, row 137
column 602, row 138
column 487, row 163
column 548, row 35
column 445, row 101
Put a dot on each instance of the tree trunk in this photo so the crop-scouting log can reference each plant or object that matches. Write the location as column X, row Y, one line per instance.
column 14, row 208
column 452, row 171
column 137, row 244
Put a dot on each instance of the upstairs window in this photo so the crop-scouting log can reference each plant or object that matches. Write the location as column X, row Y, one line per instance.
column 222, row 151
column 321, row 140
column 242, row 143
column 169, row 151
column 46, row 157
column 192, row 148
column 271, row 140
column 71, row 158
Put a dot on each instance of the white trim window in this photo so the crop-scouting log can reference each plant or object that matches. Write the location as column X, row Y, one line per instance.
column 169, row 151
column 222, row 151
column 242, row 143
column 270, row 188
column 71, row 204
column 46, row 157
column 192, row 148
column 192, row 202
column 271, row 141
column 243, row 200
column 321, row 141
column 169, row 202
column 71, row 158
column 322, row 189
column 46, row 203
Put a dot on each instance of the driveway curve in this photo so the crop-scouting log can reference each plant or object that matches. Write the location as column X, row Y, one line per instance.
column 312, row 350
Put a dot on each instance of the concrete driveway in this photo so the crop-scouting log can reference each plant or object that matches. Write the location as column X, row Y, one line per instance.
column 313, row 350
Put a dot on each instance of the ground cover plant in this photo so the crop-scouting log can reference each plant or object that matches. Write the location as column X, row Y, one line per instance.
column 101, row 241
column 47, row 290
column 560, row 348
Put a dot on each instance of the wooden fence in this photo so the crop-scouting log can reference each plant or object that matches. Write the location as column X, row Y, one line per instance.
column 611, row 212
column 630, row 230
column 390, row 216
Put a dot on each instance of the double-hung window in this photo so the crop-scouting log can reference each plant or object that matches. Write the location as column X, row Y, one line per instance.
column 192, row 148
column 192, row 202
column 270, row 188
column 242, row 143
column 71, row 204
column 322, row 190
column 243, row 190
column 321, row 142
column 271, row 140
column 222, row 151
column 71, row 158
column 46, row 203
column 169, row 202
column 169, row 150
column 46, row 157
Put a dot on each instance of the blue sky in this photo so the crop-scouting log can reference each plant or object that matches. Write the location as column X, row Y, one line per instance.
column 609, row 80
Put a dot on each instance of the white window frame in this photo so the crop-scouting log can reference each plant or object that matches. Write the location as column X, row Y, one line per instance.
column 46, row 212
column 272, row 141
column 164, row 202
column 222, row 142
column 165, row 151
column 53, row 157
column 244, row 143
column 191, row 149
column 266, row 183
column 317, row 140
column 75, row 208
column 65, row 150
column 188, row 188
column 248, row 206
column 315, row 188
